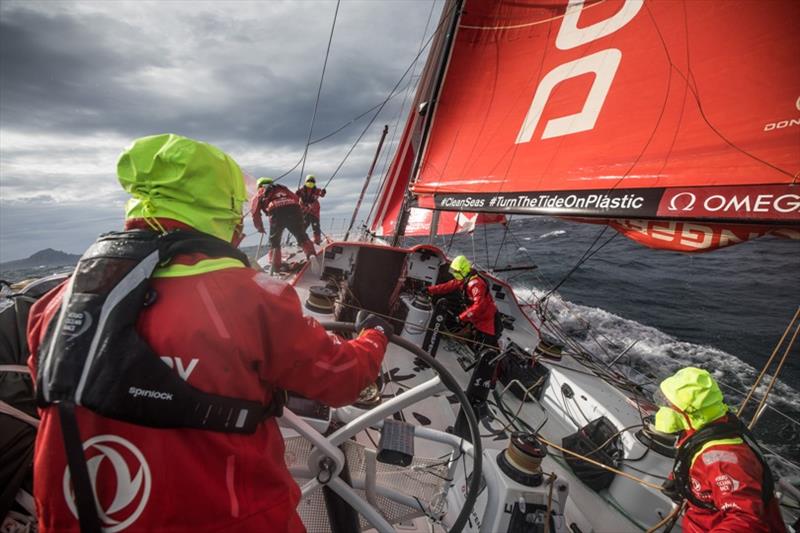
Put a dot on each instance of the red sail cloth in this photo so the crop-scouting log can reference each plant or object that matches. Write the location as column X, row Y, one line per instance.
column 625, row 111
column 698, row 94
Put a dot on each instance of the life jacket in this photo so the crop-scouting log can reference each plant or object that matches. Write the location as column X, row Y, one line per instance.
column 731, row 428
column 277, row 196
column 308, row 195
column 92, row 355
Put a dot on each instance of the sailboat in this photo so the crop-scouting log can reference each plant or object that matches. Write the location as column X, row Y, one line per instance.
column 676, row 124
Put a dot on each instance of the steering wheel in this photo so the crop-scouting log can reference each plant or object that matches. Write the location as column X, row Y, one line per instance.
column 327, row 460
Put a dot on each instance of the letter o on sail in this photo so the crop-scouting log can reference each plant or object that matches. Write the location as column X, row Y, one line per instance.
column 604, row 66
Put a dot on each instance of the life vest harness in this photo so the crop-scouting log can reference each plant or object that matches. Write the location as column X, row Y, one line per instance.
column 93, row 356
column 731, row 428
column 278, row 196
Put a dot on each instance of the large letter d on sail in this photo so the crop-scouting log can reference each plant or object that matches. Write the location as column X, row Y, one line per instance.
column 603, row 64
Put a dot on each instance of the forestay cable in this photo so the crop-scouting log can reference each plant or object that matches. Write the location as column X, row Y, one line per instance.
column 319, row 92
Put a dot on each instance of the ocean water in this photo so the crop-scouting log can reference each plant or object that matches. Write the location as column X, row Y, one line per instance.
column 723, row 311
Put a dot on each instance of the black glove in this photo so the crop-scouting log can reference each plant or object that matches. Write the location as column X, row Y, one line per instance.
column 671, row 491
column 366, row 320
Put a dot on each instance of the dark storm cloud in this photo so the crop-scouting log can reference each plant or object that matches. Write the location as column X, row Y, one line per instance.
column 80, row 80
column 80, row 73
column 57, row 72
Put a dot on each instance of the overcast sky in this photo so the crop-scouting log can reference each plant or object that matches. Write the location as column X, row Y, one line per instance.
column 80, row 80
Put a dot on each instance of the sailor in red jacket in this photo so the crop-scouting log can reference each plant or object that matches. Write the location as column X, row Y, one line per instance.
column 224, row 329
column 309, row 200
column 481, row 311
column 284, row 211
column 719, row 468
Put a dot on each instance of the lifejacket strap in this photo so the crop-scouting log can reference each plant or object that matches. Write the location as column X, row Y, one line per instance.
column 81, row 484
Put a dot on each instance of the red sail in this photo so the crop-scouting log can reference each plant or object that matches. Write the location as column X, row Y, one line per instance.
column 623, row 110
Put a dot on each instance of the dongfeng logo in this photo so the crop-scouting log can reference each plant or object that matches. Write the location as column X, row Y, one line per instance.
column 122, row 471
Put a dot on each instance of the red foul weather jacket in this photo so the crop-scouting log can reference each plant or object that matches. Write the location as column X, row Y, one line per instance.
column 230, row 331
column 481, row 309
column 309, row 199
column 730, row 476
column 269, row 198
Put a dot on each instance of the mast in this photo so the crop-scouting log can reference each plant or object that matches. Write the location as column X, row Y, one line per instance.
column 428, row 111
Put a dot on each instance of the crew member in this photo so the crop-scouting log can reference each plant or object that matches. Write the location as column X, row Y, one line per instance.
column 719, row 468
column 284, row 211
column 481, row 311
column 224, row 329
column 309, row 200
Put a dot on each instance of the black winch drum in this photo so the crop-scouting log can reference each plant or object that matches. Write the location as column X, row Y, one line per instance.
column 321, row 299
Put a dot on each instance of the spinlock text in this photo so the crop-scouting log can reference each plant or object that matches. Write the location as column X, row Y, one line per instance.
column 145, row 393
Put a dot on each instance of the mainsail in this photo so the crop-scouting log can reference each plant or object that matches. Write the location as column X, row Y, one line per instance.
column 675, row 122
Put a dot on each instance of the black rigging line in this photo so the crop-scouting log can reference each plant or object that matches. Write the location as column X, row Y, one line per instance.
column 585, row 257
column 400, row 114
column 693, row 89
column 376, row 106
column 588, row 253
column 392, row 92
column 343, row 126
column 319, row 92
column 502, row 242
column 331, row 134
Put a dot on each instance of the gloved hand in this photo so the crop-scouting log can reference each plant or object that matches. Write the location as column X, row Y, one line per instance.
column 671, row 491
column 366, row 320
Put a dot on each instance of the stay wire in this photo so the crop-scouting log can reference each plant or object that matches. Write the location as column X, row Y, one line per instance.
column 586, row 256
column 502, row 242
column 319, row 92
column 391, row 95
column 401, row 112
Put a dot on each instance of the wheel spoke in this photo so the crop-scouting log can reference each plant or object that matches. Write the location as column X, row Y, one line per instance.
column 362, row 507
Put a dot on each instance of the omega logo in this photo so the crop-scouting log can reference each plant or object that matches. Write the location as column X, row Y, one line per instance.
column 690, row 200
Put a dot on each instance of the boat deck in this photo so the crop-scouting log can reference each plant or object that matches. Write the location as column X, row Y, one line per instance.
column 569, row 400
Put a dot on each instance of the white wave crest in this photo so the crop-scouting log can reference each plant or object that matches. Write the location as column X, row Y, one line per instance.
column 554, row 233
column 656, row 354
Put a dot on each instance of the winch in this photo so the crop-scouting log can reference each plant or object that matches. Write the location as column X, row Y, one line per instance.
column 321, row 299
column 522, row 459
